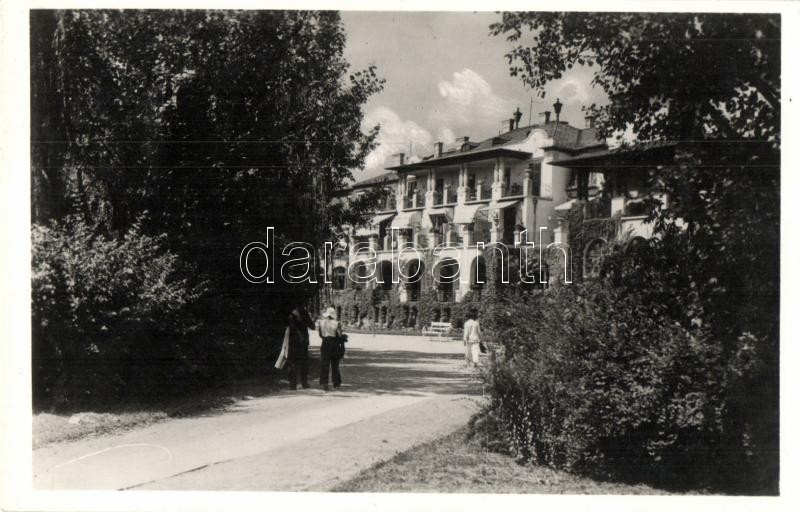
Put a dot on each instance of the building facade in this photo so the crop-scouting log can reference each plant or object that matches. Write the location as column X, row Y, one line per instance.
column 459, row 202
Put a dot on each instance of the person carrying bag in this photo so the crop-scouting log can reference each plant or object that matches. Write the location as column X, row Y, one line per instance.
column 332, row 349
column 472, row 339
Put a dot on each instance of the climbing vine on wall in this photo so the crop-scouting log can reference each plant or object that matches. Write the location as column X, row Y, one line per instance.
column 583, row 230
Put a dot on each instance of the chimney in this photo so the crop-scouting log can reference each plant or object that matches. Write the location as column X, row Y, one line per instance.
column 557, row 108
column 507, row 125
column 589, row 121
column 401, row 158
column 461, row 141
column 517, row 117
column 546, row 115
column 437, row 149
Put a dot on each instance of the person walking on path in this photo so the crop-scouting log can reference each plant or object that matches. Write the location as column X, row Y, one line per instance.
column 330, row 353
column 472, row 338
column 297, row 357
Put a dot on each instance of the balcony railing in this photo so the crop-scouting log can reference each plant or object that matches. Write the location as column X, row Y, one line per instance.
column 478, row 193
column 390, row 203
column 635, row 208
column 514, row 189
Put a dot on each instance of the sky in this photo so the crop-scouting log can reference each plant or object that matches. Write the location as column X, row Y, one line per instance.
column 446, row 77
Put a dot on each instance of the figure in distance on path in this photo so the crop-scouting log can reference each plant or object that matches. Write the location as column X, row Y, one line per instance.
column 297, row 358
column 472, row 338
column 331, row 350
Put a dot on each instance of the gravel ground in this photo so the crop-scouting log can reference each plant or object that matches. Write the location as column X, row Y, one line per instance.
column 398, row 391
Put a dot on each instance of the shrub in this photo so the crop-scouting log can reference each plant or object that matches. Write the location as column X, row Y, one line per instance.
column 603, row 380
column 109, row 315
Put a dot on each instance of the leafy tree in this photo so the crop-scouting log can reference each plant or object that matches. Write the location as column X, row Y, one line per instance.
column 709, row 84
column 667, row 76
column 206, row 127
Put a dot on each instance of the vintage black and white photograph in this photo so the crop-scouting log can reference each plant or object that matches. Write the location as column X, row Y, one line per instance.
column 407, row 251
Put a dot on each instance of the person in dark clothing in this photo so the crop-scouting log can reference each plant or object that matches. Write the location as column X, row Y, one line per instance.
column 331, row 333
column 297, row 358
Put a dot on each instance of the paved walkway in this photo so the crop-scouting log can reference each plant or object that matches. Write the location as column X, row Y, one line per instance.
column 398, row 391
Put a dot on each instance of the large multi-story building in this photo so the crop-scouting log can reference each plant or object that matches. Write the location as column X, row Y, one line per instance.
column 489, row 191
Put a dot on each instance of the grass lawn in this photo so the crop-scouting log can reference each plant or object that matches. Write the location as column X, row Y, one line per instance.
column 455, row 464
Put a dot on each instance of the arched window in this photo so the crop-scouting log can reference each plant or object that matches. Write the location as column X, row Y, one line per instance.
column 635, row 245
column 477, row 275
column 447, row 279
column 385, row 272
column 413, row 282
column 339, row 278
column 360, row 274
column 592, row 256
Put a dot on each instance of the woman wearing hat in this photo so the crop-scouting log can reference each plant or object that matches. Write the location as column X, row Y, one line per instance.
column 299, row 323
column 331, row 332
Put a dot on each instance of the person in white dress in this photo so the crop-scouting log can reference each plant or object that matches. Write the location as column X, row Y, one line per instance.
column 472, row 338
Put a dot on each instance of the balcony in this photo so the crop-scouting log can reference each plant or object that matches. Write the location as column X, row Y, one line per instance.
column 446, row 196
column 390, row 204
column 513, row 189
column 414, row 201
column 600, row 208
column 479, row 193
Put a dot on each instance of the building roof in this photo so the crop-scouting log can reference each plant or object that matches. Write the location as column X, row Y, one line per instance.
column 387, row 177
column 455, row 157
column 595, row 158
column 565, row 137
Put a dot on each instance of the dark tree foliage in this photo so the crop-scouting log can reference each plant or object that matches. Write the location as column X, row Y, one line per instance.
column 710, row 85
column 667, row 76
column 206, row 127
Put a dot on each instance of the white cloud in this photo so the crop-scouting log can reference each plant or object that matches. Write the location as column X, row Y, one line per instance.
column 396, row 135
column 572, row 91
column 469, row 105
column 446, row 135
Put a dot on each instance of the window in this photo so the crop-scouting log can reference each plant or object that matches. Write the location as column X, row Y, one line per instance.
column 413, row 280
column 339, row 281
column 477, row 276
column 473, row 192
column 592, row 257
column 386, row 275
column 448, row 280
column 412, row 187
column 536, row 178
column 438, row 195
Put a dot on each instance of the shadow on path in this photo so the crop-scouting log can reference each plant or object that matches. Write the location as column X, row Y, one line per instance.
column 402, row 372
